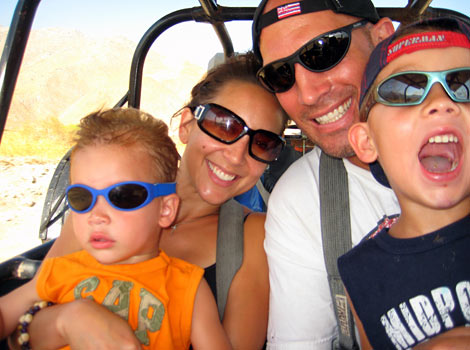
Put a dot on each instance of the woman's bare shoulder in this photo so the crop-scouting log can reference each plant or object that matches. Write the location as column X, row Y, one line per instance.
column 254, row 234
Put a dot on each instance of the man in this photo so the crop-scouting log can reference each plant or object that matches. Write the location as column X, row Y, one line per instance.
column 321, row 94
column 314, row 54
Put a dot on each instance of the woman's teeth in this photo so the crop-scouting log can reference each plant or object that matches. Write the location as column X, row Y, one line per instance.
column 220, row 174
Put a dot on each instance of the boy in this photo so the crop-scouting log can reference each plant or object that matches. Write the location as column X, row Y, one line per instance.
column 121, row 196
column 411, row 281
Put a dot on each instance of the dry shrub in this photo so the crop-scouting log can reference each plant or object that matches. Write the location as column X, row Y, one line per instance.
column 46, row 139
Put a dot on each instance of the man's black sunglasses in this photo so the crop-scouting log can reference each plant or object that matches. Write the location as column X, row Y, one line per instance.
column 225, row 126
column 318, row 55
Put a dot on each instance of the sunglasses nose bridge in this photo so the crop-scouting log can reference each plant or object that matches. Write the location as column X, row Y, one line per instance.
column 437, row 85
column 99, row 199
column 237, row 151
column 245, row 131
column 438, row 100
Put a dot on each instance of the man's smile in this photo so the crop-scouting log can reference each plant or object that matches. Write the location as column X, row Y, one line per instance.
column 335, row 115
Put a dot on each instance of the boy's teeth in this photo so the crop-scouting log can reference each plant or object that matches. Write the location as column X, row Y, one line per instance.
column 335, row 115
column 220, row 174
column 441, row 154
column 444, row 139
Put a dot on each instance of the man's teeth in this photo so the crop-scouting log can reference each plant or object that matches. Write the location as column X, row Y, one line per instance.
column 220, row 174
column 444, row 139
column 335, row 115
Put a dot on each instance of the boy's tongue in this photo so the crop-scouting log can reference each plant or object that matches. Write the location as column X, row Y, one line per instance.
column 439, row 157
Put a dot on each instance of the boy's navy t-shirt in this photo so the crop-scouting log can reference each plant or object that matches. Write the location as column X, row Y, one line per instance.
column 408, row 290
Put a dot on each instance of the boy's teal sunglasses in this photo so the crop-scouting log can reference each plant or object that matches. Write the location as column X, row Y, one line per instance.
column 411, row 88
column 126, row 196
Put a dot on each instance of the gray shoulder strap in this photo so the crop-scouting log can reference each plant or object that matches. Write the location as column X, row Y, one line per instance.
column 262, row 191
column 336, row 238
column 229, row 254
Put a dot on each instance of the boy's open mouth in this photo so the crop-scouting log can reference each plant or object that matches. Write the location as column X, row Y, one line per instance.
column 441, row 154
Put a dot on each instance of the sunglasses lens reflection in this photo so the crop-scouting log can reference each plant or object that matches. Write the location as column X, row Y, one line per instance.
column 266, row 146
column 459, row 83
column 326, row 52
column 222, row 125
column 405, row 88
column 278, row 77
column 79, row 198
column 128, row 196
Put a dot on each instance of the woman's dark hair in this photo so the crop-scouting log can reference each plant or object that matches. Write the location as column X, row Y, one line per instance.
column 242, row 67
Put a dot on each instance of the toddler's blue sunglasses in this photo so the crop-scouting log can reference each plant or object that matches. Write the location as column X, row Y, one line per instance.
column 411, row 88
column 126, row 196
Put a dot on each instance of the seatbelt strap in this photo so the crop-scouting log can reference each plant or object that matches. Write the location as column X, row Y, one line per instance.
column 229, row 255
column 263, row 192
column 336, row 238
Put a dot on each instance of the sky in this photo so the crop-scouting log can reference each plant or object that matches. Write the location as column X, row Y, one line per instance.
column 126, row 12
column 126, row 18
column 129, row 19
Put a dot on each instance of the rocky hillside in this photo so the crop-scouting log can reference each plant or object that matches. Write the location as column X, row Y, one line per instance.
column 66, row 74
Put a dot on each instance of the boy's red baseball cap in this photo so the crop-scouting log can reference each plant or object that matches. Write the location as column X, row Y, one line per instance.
column 387, row 50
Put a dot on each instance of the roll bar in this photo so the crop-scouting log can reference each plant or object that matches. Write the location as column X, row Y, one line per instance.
column 209, row 12
column 13, row 52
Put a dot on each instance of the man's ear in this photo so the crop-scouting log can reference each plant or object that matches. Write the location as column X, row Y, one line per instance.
column 185, row 125
column 168, row 209
column 362, row 143
column 382, row 30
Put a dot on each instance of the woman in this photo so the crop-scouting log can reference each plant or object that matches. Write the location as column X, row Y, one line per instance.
column 215, row 167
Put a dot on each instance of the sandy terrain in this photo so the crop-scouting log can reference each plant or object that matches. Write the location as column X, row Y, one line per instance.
column 23, row 183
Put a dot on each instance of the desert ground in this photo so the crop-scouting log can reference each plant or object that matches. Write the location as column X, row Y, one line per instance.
column 23, row 183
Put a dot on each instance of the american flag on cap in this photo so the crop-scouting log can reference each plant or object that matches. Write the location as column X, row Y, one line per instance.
column 261, row 19
column 288, row 10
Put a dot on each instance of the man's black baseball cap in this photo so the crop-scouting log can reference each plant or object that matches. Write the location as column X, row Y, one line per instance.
column 357, row 8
